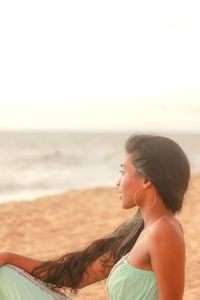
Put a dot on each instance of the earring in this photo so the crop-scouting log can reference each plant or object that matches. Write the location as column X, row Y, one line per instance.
column 134, row 198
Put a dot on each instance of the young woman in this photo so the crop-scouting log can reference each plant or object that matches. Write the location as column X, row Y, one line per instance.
column 143, row 259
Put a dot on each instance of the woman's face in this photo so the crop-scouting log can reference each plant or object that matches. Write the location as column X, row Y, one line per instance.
column 128, row 183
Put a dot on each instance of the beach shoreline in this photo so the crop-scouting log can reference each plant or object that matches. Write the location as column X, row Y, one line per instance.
column 65, row 219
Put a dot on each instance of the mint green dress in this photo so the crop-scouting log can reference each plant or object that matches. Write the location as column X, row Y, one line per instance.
column 125, row 282
column 16, row 284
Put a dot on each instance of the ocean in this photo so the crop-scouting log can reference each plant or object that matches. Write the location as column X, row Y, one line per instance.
column 35, row 164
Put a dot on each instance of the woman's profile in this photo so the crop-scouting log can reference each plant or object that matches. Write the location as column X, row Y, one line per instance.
column 143, row 259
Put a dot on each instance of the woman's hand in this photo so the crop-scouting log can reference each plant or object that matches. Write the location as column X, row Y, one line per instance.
column 4, row 258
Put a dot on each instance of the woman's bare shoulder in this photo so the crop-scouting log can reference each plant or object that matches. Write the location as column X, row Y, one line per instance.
column 167, row 224
column 167, row 232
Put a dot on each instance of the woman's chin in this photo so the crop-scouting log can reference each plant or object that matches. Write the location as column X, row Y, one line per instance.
column 127, row 206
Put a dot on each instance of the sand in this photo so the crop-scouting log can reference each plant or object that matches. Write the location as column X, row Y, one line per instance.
column 51, row 226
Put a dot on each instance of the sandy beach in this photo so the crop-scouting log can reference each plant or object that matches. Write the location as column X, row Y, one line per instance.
column 51, row 226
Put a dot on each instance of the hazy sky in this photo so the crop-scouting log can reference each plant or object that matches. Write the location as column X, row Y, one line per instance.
column 99, row 64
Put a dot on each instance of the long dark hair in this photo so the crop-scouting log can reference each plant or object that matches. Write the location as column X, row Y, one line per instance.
column 158, row 159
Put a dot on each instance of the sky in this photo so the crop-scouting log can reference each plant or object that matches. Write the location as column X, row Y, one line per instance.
column 99, row 65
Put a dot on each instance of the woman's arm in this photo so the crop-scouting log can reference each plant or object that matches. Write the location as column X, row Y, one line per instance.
column 167, row 251
column 23, row 262
column 93, row 273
